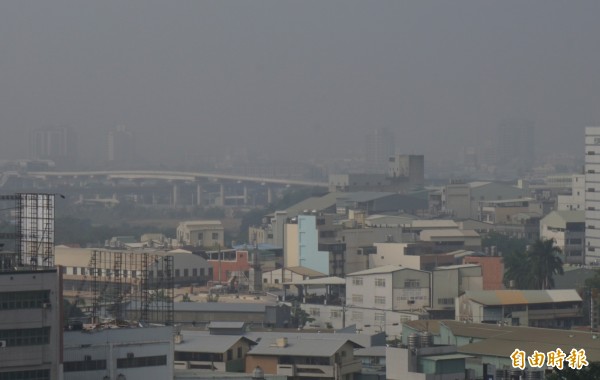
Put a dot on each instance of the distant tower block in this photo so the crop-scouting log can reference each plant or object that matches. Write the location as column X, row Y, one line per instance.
column 255, row 272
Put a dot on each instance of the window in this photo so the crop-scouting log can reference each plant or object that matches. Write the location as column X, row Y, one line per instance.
column 144, row 361
column 24, row 300
column 357, row 298
column 82, row 271
column 335, row 314
column 239, row 352
column 215, row 236
column 74, row 270
column 446, row 301
column 125, row 273
column 186, row 272
column 201, row 272
column 412, row 284
column 380, row 282
column 177, row 273
column 200, row 236
column 380, row 317
column 84, row 365
column 40, row 374
column 357, row 316
column 26, row 337
column 358, row 281
column 194, row 272
column 315, row 312
column 229, row 354
column 379, row 300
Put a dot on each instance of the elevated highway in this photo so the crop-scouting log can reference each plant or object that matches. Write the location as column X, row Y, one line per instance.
column 173, row 176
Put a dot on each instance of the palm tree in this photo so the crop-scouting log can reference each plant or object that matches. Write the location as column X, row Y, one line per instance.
column 535, row 268
column 545, row 261
column 516, row 271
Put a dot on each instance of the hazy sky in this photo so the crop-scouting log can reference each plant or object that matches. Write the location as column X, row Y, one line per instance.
column 298, row 77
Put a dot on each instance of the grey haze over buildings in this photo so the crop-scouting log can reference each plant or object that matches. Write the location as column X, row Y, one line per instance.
column 297, row 79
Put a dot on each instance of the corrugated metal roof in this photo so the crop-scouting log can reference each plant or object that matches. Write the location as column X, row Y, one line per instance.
column 200, row 342
column 520, row 297
column 379, row 270
column 226, row 325
column 299, row 347
column 446, row 357
column 304, row 271
column 321, row 281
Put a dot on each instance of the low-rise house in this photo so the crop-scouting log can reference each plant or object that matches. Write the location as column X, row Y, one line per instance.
column 536, row 308
column 300, row 358
column 201, row 233
column 217, row 353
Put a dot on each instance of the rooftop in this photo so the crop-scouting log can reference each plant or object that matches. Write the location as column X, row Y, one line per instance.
column 197, row 341
column 521, row 297
column 380, row 270
column 300, row 346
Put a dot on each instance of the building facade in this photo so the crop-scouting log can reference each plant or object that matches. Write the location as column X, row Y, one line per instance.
column 30, row 325
column 592, row 196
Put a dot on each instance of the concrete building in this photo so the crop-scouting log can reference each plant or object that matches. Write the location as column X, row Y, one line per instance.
column 567, row 229
column 75, row 265
column 592, row 196
column 119, row 353
column 380, row 291
column 228, row 263
column 449, row 282
column 300, row 358
column 380, row 144
column 448, row 240
column 461, row 200
column 301, row 246
column 408, row 168
column 30, row 324
column 357, row 182
column 201, row 233
column 535, row 308
column 492, row 269
column 576, row 200
column 425, row 363
column 418, row 256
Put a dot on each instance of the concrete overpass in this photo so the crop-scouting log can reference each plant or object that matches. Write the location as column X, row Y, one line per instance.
column 174, row 176
column 197, row 188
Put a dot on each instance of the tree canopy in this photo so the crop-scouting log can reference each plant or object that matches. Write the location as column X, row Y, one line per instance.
column 534, row 268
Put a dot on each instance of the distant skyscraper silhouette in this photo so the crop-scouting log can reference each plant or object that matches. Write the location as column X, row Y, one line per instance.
column 515, row 147
column 120, row 145
column 58, row 144
column 379, row 147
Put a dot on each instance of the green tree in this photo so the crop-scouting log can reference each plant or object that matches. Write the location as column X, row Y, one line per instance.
column 545, row 262
column 535, row 268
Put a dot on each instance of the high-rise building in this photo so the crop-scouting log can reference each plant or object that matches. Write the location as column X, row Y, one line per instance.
column 30, row 294
column 592, row 195
column 380, row 146
column 515, row 153
column 120, row 145
column 58, row 144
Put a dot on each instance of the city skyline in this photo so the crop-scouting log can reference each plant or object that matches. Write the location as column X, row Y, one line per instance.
column 297, row 80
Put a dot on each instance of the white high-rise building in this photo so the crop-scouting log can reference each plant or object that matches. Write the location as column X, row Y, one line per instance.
column 592, row 195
